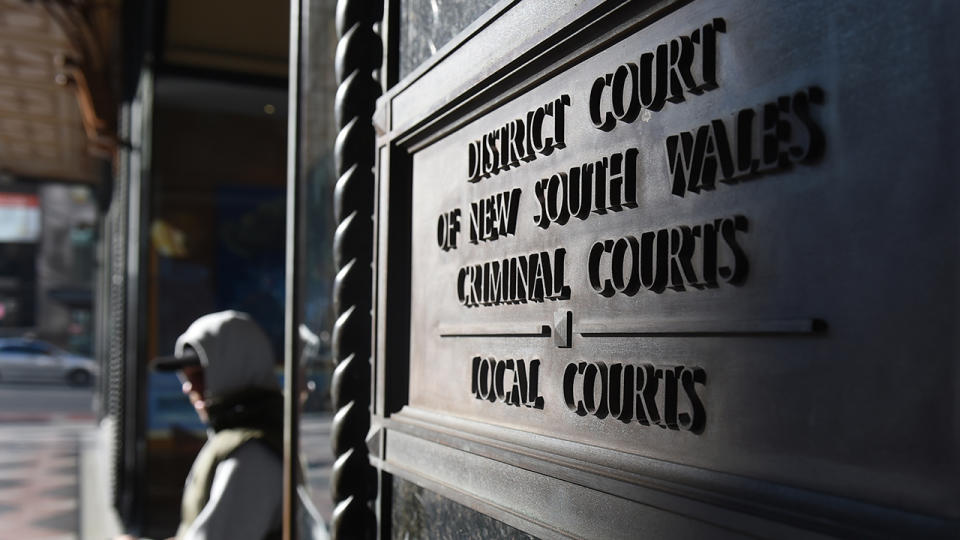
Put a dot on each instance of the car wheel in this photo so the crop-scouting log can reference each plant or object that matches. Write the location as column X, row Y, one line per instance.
column 79, row 377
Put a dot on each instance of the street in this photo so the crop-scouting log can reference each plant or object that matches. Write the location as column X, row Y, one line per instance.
column 42, row 402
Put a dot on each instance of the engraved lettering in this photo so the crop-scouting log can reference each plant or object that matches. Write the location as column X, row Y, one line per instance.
column 652, row 79
column 685, row 64
column 695, row 419
column 728, row 231
column 626, row 102
column 603, row 287
column 448, row 227
column 539, row 131
column 473, row 162
column 646, row 397
column 569, row 385
column 707, row 53
column 670, row 383
column 509, row 381
column 681, row 62
column 559, row 140
column 525, row 278
column 494, row 216
column 606, row 184
column 655, row 260
column 602, row 120
column 620, row 392
column 650, row 395
column 737, row 148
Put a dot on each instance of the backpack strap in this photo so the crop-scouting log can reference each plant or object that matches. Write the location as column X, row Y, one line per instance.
column 222, row 445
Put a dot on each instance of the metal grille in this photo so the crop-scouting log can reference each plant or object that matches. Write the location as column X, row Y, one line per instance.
column 115, row 319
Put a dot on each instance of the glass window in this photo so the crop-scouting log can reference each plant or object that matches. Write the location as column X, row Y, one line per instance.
column 316, row 271
column 427, row 25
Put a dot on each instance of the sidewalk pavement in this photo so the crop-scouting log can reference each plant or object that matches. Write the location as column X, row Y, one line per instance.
column 39, row 477
column 98, row 518
column 53, row 473
column 316, row 453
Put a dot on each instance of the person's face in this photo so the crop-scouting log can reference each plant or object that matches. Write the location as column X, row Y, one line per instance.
column 194, row 386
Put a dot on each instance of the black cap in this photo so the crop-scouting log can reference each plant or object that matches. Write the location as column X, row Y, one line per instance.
column 173, row 363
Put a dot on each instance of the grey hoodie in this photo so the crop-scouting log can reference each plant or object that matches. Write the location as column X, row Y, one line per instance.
column 234, row 352
column 245, row 497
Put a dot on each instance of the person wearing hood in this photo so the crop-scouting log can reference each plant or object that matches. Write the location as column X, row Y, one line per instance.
column 235, row 486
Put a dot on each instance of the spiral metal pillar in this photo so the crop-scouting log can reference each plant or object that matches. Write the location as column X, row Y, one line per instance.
column 358, row 57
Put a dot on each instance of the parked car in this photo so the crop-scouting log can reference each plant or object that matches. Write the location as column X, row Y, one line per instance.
column 34, row 360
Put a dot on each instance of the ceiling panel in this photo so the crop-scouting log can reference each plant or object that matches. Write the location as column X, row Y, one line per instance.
column 41, row 132
column 240, row 36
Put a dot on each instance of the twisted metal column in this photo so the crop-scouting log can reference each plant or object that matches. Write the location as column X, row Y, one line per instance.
column 358, row 57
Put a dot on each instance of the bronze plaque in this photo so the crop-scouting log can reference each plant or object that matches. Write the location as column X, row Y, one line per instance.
column 701, row 242
column 577, row 251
